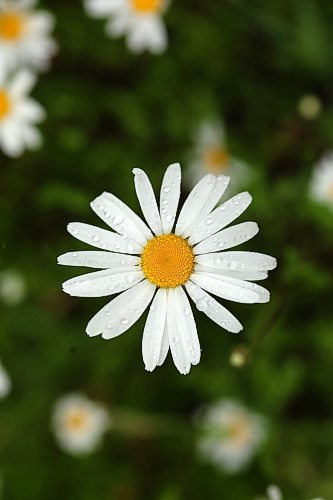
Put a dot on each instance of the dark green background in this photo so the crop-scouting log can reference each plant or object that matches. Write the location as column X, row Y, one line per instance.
column 109, row 111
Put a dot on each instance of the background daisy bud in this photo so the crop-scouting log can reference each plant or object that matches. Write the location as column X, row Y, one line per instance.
column 12, row 287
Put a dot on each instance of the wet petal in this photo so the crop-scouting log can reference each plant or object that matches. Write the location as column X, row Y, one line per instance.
column 238, row 261
column 147, row 200
column 102, row 283
column 187, row 326
column 227, row 238
column 194, row 204
column 169, row 197
column 100, row 238
column 154, row 330
column 220, row 217
column 99, row 260
column 244, row 275
column 121, row 218
column 213, row 309
column 179, row 356
column 164, row 347
column 231, row 288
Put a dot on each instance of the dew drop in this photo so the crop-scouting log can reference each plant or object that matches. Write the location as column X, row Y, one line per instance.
column 124, row 322
column 164, row 201
column 95, row 238
column 209, row 221
column 175, row 340
column 232, row 265
column 201, row 305
column 75, row 231
column 166, row 189
column 218, row 261
column 169, row 218
column 187, row 312
column 118, row 219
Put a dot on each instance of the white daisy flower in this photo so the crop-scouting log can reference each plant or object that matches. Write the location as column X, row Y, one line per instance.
column 321, row 184
column 12, row 287
column 24, row 36
column 19, row 114
column 5, row 382
column 231, row 435
column 139, row 20
column 154, row 262
column 211, row 155
column 79, row 423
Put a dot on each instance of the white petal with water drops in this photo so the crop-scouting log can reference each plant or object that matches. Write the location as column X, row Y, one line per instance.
column 220, row 217
column 179, row 355
column 164, row 346
column 124, row 313
column 237, row 261
column 154, row 330
column 147, row 200
column 120, row 312
column 102, row 283
column 213, row 309
column 169, row 196
column 187, row 326
column 244, row 275
column 231, row 288
column 121, row 218
column 99, row 260
column 194, row 204
column 101, row 238
column 227, row 238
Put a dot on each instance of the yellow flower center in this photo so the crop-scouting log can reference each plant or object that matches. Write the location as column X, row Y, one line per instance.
column 4, row 104
column 239, row 431
column 216, row 159
column 77, row 420
column 167, row 261
column 11, row 26
column 147, row 6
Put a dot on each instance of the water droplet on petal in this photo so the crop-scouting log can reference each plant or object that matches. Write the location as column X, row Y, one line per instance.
column 95, row 238
column 209, row 221
column 166, row 189
column 124, row 322
column 118, row 219
column 175, row 340
column 201, row 305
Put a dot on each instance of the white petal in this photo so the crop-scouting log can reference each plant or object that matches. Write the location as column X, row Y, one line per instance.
column 100, row 238
column 243, row 275
column 154, row 330
column 179, row 356
column 220, row 217
column 147, row 200
column 156, row 35
column 22, row 83
column 164, row 347
column 194, row 204
column 122, row 312
column 187, row 326
column 99, row 260
column 237, row 261
column 213, row 309
column 227, row 238
column 121, row 218
column 102, row 283
column 101, row 8
column 169, row 198
column 231, row 288
column 221, row 185
column 29, row 111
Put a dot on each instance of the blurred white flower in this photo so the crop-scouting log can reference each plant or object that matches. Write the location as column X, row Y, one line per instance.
column 151, row 263
column 139, row 20
column 321, row 184
column 24, row 36
column 230, row 435
column 19, row 114
column 274, row 492
column 211, row 155
column 12, row 287
column 309, row 107
column 79, row 423
column 5, row 382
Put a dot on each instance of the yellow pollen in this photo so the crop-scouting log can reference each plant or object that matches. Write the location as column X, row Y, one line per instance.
column 216, row 159
column 4, row 104
column 167, row 261
column 147, row 6
column 77, row 420
column 11, row 26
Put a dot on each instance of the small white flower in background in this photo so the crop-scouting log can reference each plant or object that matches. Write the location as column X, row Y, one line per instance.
column 230, row 435
column 274, row 492
column 19, row 114
column 24, row 36
column 309, row 107
column 152, row 262
column 79, row 423
column 321, row 184
column 211, row 155
column 5, row 382
column 12, row 287
column 139, row 20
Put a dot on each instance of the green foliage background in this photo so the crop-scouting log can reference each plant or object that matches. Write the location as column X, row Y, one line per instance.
column 109, row 111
